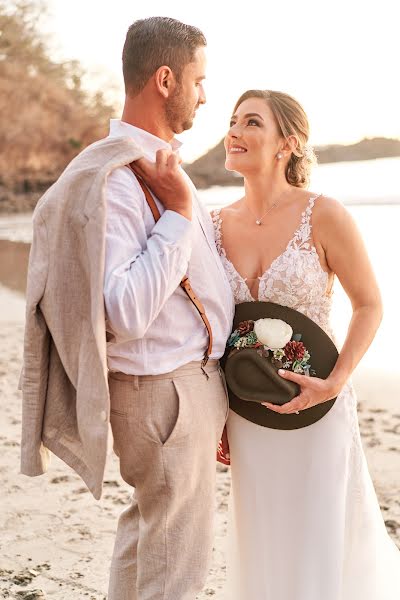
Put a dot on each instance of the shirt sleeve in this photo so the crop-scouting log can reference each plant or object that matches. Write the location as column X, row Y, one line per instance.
column 140, row 273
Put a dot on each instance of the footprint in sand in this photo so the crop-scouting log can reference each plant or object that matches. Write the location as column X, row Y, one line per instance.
column 60, row 479
column 392, row 526
column 373, row 442
column 111, row 483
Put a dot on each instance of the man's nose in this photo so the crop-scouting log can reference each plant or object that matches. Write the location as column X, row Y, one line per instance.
column 202, row 97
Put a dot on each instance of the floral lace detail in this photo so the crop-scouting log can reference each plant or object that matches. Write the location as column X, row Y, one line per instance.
column 238, row 285
column 295, row 278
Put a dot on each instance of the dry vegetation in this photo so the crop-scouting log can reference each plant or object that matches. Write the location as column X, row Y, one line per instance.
column 45, row 115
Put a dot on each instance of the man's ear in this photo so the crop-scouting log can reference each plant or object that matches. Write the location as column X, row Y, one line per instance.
column 165, row 81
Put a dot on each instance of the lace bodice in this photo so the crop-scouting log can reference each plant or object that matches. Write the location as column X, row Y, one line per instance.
column 295, row 278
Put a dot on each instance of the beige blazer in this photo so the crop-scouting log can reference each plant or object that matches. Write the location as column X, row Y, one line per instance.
column 64, row 377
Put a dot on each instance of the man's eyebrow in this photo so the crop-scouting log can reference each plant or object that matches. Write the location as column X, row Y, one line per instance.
column 247, row 115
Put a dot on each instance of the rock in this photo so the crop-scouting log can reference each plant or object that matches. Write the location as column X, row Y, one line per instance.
column 31, row 594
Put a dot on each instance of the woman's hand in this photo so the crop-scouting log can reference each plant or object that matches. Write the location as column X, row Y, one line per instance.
column 223, row 455
column 313, row 391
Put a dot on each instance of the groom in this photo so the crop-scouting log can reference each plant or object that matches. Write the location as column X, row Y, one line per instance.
column 111, row 261
column 106, row 263
column 167, row 412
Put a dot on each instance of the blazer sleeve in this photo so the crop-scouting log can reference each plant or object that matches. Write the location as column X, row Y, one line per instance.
column 34, row 456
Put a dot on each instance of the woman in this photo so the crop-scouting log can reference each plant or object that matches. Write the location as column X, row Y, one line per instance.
column 305, row 522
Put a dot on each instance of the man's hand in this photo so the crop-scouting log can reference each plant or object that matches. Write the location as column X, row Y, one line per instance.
column 166, row 181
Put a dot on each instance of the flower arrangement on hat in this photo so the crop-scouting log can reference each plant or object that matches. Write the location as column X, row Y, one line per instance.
column 274, row 339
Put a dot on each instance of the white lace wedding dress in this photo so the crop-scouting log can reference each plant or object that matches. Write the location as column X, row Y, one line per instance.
column 304, row 519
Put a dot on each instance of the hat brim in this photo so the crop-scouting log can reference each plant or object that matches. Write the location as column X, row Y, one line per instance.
column 252, row 379
column 248, row 364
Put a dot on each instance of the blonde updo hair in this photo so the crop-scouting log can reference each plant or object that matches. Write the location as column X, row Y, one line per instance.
column 291, row 121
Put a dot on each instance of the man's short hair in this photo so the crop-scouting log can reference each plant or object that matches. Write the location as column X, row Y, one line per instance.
column 154, row 42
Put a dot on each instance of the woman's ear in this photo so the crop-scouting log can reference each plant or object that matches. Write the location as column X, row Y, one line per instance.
column 164, row 80
column 290, row 144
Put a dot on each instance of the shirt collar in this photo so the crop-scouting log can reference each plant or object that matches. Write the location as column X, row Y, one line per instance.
column 148, row 142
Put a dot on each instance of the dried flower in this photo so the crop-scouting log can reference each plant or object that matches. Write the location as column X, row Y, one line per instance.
column 252, row 339
column 279, row 354
column 245, row 327
column 241, row 343
column 270, row 339
column 295, row 351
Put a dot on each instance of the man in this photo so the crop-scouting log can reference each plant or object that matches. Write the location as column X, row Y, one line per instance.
column 96, row 245
column 167, row 414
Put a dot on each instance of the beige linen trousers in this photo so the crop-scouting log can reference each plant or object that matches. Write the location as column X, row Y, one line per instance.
column 166, row 429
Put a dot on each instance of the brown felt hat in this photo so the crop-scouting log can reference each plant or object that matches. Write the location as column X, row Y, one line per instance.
column 252, row 379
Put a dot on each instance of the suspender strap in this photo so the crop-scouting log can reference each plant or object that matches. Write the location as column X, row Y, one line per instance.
column 185, row 283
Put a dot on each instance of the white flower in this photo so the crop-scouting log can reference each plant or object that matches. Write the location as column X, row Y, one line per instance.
column 273, row 333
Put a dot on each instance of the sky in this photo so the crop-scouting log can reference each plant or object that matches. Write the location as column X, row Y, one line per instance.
column 339, row 59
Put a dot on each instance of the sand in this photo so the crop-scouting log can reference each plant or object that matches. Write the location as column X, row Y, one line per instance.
column 56, row 540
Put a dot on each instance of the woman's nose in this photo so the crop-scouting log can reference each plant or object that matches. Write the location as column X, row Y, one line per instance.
column 234, row 131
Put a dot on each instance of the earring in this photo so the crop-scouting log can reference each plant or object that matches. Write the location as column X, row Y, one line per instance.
column 279, row 155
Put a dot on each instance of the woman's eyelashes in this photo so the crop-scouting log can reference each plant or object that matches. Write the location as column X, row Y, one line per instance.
column 251, row 122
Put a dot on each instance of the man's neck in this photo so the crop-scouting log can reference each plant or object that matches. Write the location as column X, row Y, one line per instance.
column 139, row 113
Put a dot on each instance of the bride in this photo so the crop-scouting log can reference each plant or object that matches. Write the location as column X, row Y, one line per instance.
column 305, row 523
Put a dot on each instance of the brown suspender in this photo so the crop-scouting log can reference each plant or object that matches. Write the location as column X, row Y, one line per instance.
column 185, row 283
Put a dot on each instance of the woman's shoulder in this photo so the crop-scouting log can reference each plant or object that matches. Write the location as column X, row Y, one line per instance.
column 329, row 216
column 327, row 207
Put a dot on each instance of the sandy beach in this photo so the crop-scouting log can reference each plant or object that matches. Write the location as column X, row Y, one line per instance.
column 56, row 540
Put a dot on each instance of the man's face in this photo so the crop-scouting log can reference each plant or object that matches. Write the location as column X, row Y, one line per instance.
column 181, row 106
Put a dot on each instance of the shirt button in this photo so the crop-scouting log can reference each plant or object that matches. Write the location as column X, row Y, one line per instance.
column 103, row 415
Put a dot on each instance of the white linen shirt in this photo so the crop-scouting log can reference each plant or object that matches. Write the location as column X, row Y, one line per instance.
column 152, row 326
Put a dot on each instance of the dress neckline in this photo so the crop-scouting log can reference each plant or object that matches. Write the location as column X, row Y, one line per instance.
column 305, row 221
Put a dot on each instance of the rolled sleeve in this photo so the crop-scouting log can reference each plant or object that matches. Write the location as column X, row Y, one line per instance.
column 142, row 268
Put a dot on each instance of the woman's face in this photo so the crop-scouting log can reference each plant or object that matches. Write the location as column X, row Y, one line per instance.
column 253, row 139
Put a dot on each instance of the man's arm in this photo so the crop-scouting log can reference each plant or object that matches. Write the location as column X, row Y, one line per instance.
column 140, row 274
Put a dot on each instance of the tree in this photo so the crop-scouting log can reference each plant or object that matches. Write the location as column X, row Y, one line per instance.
column 45, row 115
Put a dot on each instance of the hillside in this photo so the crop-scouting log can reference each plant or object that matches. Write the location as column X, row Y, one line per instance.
column 209, row 169
column 46, row 117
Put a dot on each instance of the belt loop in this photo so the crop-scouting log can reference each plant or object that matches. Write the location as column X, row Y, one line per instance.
column 136, row 382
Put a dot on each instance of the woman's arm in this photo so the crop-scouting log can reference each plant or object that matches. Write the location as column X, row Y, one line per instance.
column 347, row 257
column 342, row 251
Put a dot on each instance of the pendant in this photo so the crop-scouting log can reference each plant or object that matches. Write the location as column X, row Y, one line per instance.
column 258, row 222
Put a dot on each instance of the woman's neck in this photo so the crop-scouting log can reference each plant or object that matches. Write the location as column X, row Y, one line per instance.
column 262, row 192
